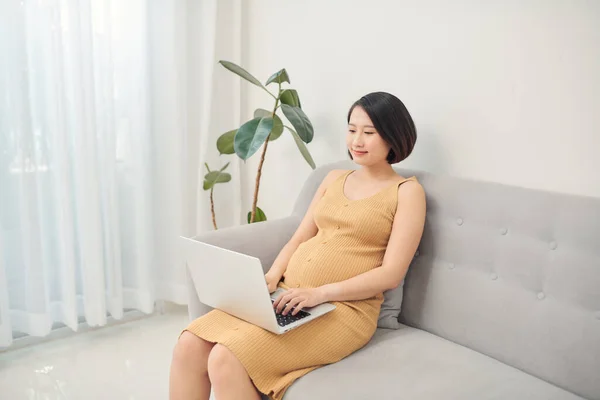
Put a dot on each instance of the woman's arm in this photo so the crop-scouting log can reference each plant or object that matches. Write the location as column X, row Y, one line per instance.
column 306, row 230
column 407, row 230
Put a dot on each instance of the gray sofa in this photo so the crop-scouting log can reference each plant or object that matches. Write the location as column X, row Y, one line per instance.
column 502, row 300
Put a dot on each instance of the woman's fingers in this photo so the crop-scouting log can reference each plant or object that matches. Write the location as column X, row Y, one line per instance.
column 283, row 299
column 299, row 307
column 292, row 303
column 277, row 300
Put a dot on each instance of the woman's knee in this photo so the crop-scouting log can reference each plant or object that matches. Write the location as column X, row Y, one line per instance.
column 192, row 349
column 221, row 363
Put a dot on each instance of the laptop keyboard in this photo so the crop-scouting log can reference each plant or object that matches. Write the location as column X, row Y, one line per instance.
column 283, row 320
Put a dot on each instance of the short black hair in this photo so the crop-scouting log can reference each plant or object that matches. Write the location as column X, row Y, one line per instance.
column 392, row 121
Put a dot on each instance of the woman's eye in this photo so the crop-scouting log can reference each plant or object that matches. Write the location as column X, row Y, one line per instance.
column 369, row 133
column 351, row 130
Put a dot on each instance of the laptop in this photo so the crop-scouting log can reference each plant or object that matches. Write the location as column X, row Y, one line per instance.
column 235, row 283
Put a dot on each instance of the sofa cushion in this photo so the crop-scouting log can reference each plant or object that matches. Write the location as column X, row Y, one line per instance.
column 409, row 363
column 390, row 308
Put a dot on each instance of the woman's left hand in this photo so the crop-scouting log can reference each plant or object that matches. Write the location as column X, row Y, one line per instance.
column 298, row 299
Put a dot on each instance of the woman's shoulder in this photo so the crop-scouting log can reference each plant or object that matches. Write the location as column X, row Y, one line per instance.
column 409, row 189
column 333, row 175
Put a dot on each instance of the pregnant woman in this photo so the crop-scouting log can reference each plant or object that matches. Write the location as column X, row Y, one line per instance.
column 356, row 241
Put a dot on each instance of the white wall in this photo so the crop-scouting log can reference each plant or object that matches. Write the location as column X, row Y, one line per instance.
column 500, row 91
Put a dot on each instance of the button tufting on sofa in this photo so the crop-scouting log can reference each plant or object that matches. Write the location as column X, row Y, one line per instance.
column 541, row 295
column 459, row 221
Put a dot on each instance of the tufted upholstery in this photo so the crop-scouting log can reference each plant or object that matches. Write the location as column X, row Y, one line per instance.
column 509, row 272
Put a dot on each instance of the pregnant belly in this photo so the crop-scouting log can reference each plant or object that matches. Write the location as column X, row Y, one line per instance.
column 315, row 263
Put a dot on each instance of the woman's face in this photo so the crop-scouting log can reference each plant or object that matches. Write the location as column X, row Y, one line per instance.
column 363, row 141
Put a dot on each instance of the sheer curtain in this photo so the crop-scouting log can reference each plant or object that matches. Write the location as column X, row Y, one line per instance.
column 99, row 169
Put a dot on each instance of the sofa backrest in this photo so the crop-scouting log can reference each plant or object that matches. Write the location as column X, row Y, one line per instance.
column 512, row 273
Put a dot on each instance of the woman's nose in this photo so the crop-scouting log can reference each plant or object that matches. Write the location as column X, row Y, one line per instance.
column 357, row 142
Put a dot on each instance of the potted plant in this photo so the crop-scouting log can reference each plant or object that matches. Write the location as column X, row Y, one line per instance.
column 266, row 126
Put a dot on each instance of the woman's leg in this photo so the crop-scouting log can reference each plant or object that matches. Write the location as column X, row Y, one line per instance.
column 229, row 377
column 189, row 368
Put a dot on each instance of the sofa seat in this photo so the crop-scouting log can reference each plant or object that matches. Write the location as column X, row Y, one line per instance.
column 412, row 364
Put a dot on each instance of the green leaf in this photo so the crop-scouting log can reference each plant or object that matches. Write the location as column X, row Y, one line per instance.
column 277, row 128
column 258, row 217
column 225, row 142
column 251, row 136
column 300, row 121
column 277, row 123
column 214, row 177
column 236, row 69
column 223, row 169
column 262, row 113
column 290, row 97
column 302, row 148
column 279, row 77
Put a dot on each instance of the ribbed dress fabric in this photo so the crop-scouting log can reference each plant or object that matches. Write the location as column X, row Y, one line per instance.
column 352, row 238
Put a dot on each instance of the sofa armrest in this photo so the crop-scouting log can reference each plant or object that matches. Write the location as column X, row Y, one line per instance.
column 263, row 240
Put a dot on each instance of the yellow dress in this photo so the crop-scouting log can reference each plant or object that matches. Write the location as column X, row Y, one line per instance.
column 352, row 238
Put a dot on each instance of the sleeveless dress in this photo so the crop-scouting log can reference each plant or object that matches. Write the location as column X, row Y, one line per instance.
column 352, row 238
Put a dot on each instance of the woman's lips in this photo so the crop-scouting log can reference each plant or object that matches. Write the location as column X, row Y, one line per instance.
column 359, row 153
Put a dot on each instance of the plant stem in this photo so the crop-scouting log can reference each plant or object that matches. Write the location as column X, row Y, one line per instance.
column 257, row 183
column 212, row 208
column 262, row 161
column 272, row 95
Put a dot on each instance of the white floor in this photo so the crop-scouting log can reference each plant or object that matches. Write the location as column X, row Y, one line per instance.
column 127, row 361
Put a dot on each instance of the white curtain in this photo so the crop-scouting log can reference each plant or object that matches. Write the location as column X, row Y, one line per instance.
column 101, row 148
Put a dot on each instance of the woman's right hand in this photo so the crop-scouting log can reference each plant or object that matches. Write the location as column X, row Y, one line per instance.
column 272, row 281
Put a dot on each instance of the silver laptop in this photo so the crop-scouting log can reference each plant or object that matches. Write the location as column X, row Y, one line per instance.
column 235, row 283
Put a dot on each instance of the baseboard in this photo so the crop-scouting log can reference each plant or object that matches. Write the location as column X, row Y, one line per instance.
column 60, row 331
